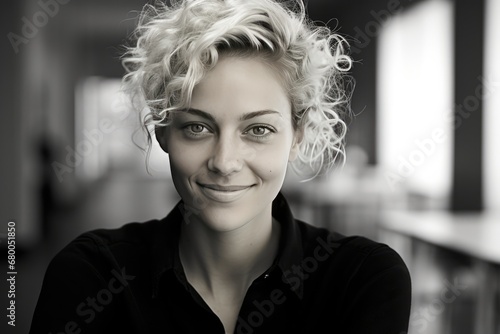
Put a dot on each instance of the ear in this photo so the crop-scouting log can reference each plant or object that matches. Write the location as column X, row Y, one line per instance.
column 161, row 137
column 294, row 150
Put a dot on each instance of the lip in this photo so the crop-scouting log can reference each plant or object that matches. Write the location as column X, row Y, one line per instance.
column 223, row 188
column 223, row 194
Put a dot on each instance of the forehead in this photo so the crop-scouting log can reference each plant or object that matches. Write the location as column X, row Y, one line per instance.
column 241, row 85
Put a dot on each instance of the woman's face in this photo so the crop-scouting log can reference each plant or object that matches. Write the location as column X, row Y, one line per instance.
column 229, row 152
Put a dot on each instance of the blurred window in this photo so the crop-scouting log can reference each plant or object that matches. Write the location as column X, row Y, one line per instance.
column 491, row 95
column 107, row 131
column 415, row 99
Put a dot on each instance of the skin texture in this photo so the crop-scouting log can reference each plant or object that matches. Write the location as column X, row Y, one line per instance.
column 228, row 155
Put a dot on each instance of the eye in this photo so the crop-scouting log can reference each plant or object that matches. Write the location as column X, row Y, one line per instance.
column 259, row 131
column 196, row 128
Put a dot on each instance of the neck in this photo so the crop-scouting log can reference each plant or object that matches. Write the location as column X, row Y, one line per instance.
column 228, row 258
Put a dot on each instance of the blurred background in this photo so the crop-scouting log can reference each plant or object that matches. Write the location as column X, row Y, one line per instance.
column 422, row 147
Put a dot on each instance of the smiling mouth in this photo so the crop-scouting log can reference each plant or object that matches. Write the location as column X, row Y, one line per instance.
column 223, row 194
column 217, row 187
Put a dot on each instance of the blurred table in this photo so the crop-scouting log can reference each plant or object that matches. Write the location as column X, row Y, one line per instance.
column 475, row 236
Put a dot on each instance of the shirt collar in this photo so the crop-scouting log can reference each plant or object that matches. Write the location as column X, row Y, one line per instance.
column 165, row 250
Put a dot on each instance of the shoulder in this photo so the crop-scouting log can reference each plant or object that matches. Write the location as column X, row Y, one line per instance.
column 357, row 255
column 365, row 282
column 90, row 261
column 95, row 264
column 129, row 235
column 105, row 247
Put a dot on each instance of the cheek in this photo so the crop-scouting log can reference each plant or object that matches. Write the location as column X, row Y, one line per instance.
column 183, row 166
column 271, row 163
column 185, row 160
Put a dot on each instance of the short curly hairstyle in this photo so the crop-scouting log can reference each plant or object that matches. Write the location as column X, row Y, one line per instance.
column 176, row 45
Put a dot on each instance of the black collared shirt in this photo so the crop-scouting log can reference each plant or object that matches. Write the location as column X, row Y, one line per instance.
column 130, row 280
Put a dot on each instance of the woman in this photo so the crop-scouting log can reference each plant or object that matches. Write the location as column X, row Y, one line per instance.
column 235, row 92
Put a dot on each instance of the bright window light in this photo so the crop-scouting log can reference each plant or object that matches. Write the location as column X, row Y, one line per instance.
column 107, row 131
column 414, row 99
column 491, row 96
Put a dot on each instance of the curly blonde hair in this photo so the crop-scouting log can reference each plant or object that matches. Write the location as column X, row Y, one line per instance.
column 177, row 45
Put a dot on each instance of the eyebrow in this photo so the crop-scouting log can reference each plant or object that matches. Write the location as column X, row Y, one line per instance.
column 244, row 117
column 258, row 113
column 200, row 113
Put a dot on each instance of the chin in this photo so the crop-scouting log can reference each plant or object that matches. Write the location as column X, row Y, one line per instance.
column 224, row 220
column 225, row 217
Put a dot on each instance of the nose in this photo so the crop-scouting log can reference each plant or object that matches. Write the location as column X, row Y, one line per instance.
column 226, row 158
